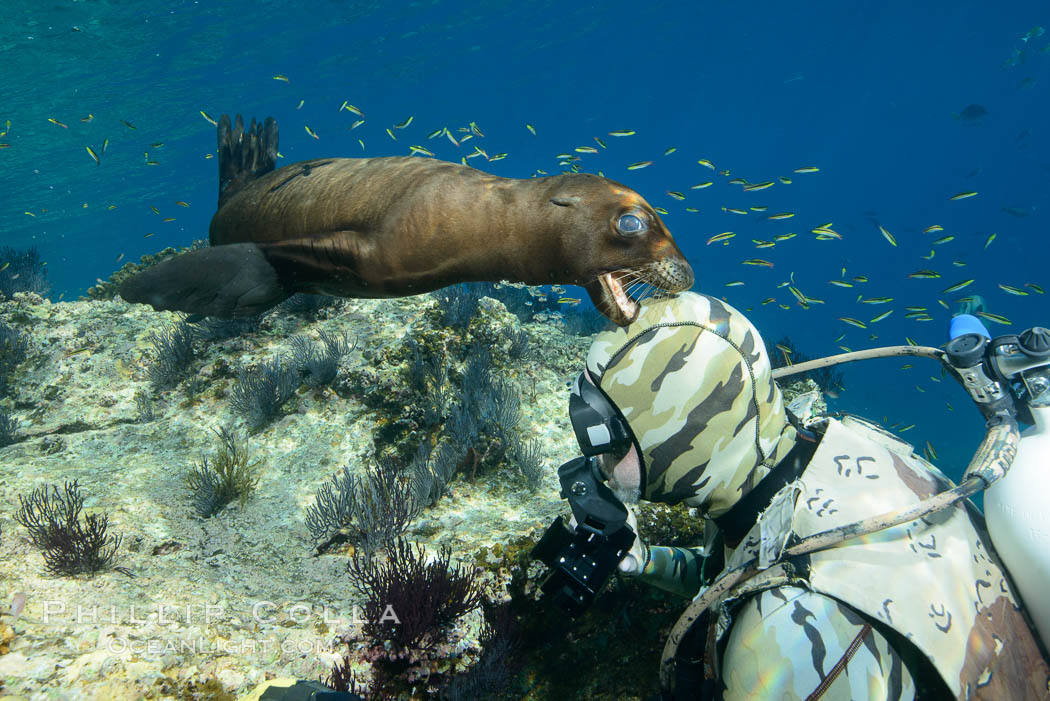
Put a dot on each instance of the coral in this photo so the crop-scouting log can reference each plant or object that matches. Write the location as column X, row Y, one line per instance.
column 14, row 346
column 457, row 305
column 496, row 666
column 171, row 357
column 319, row 367
column 519, row 348
column 8, row 429
column 22, row 271
column 71, row 545
column 385, row 506
column 212, row 329
column 372, row 511
column 432, row 471
column 527, row 458
column 411, row 599
column 260, row 392
column 308, row 305
column 334, row 506
column 231, row 475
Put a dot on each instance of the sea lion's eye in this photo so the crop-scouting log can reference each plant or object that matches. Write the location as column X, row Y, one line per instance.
column 632, row 224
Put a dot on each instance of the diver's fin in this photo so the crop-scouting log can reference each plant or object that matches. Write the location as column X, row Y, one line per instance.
column 224, row 281
column 244, row 155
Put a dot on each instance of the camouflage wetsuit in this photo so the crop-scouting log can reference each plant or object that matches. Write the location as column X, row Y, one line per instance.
column 693, row 380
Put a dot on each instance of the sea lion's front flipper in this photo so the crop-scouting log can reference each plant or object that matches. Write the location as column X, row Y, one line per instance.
column 223, row 281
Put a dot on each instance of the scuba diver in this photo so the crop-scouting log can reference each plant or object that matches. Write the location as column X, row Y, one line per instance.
column 837, row 563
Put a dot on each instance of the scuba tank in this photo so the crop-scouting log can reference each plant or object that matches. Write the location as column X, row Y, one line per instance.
column 1015, row 506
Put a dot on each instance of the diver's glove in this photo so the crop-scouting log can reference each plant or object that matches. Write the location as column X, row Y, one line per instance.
column 637, row 558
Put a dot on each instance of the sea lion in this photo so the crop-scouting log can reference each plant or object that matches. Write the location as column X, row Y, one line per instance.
column 390, row 227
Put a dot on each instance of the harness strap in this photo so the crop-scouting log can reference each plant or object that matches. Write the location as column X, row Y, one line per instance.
column 841, row 664
column 735, row 523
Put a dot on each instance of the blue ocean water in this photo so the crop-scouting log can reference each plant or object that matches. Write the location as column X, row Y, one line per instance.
column 874, row 94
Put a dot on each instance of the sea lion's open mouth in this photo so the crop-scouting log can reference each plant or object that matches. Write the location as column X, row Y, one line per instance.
column 612, row 300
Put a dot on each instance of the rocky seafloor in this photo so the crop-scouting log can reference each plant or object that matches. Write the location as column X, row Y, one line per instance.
column 211, row 607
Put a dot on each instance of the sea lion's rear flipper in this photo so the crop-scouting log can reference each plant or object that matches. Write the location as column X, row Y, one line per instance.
column 244, row 155
column 224, row 281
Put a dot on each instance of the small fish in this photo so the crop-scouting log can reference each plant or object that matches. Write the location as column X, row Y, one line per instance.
column 639, row 164
column 208, row 118
column 358, row 123
column 691, row 209
column 853, row 322
column 735, row 283
column 958, row 264
column 1012, row 290
column 281, row 77
column 931, row 454
column 675, row 194
column 55, row 121
column 840, row 283
column 148, row 235
column 120, row 258
column 437, row 132
column 962, row 196
column 706, row 163
column 762, row 208
column 128, row 124
column 989, row 241
column 882, row 316
column 660, row 210
column 181, row 203
column 887, row 235
column 769, row 300
column 997, row 318
column 300, row 105
column 78, row 351
column 310, row 131
column 572, row 301
column 93, row 155
column 420, row 150
column 943, row 239
column 784, row 237
column 701, row 186
column 391, row 134
column 600, row 142
column 782, row 215
column 88, row 118
column 957, row 286
column 763, row 244
column 531, row 129
column 351, row 108
column 622, row 132
column 924, row 274
column 758, row 261
column 476, row 130
column 155, row 210
column 669, row 151
column 585, row 149
column 907, row 366
column 405, row 123
column 933, row 228
column 877, row 300
column 807, row 169
column 1034, row 287
column 784, row 179
column 758, row 186
column 167, row 219
column 157, row 144
column 734, row 210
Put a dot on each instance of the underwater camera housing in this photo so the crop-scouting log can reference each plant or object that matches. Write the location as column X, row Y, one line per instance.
column 582, row 559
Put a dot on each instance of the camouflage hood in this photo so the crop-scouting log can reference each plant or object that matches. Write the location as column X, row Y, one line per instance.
column 694, row 382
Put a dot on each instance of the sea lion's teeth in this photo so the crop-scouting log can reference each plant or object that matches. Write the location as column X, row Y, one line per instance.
column 627, row 307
